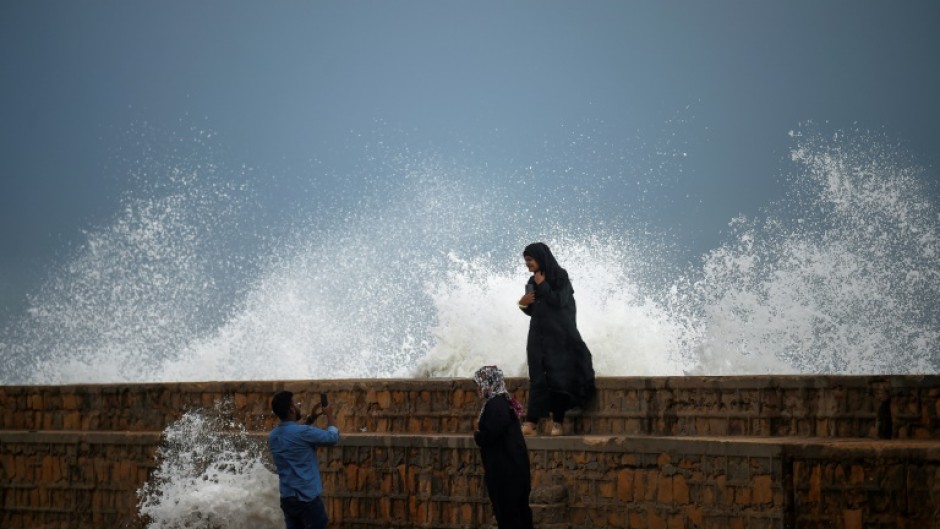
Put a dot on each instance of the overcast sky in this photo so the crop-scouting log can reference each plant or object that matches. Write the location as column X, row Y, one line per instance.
column 285, row 86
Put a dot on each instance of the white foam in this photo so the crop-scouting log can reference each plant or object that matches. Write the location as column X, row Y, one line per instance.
column 422, row 278
column 211, row 474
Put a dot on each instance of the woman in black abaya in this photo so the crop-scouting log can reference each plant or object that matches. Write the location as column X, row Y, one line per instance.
column 503, row 451
column 561, row 372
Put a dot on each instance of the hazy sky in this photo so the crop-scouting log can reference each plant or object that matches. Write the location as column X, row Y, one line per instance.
column 718, row 83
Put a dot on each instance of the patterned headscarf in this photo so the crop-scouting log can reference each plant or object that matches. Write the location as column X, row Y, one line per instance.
column 490, row 381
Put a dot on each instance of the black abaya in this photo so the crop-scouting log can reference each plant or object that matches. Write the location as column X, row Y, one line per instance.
column 560, row 364
column 505, row 464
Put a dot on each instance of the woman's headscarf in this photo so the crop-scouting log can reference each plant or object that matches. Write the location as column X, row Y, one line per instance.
column 547, row 263
column 490, row 381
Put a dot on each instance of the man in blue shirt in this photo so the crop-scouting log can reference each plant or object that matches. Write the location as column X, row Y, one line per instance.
column 294, row 447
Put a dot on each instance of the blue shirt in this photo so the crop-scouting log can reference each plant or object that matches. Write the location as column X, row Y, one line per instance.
column 294, row 449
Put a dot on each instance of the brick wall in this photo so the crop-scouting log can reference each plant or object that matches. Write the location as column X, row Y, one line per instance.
column 69, row 480
column 805, row 406
column 871, row 485
column 615, row 482
column 735, row 452
column 63, row 480
column 814, row 406
column 66, row 480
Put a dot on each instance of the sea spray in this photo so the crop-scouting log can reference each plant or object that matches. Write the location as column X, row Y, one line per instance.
column 211, row 475
column 139, row 289
column 479, row 323
column 349, row 302
column 840, row 277
column 419, row 276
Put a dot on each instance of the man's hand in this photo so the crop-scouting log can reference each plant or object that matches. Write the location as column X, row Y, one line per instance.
column 539, row 277
column 328, row 411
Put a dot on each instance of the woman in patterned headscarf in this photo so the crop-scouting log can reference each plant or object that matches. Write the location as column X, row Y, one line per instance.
column 561, row 371
column 503, row 451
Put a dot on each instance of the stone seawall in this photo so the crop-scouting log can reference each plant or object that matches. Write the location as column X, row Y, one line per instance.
column 693, row 452
column 900, row 407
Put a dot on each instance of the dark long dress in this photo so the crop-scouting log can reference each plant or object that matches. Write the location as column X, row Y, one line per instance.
column 559, row 360
column 505, row 464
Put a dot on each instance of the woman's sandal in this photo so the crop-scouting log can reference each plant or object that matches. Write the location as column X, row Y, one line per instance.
column 529, row 428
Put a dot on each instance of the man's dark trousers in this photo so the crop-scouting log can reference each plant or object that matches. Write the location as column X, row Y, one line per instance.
column 304, row 514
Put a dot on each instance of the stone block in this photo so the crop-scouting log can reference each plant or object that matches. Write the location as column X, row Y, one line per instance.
column 717, row 426
column 664, row 493
column 650, row 486
column 676, row 521
column 51, row 470
column 240, row 401
column 655, row 520
column 625, row 480
column 549, row 495
column 457, row 397
column 606, row 488
column 856, row 475
column 708, row 495
column 680, row 490
column 743, row 496
column 725, row 493
column 763, row 489
column 617, row 519
column 814, row 494
column 852, row 519
column 383, row 399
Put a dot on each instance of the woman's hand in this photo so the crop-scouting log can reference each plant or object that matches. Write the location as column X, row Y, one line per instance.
column 527, row 299
column 539, row 277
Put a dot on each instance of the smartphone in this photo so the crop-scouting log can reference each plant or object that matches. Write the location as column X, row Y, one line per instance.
column 529, row 287
column 323, row 401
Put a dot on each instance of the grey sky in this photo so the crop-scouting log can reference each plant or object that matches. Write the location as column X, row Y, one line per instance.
column 284, row 85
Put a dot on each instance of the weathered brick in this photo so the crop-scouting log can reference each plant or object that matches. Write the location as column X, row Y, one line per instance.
column 637, row 520
column 742, row 495
column 823, row 494
column 625, row 480
column 709, row 495
column 383, row 399
column 815, row 479
column 680, row 490
column 852, row 519
column 676, row 521
column 664, row 493
column 617, row 519
column 763, row 489
column 606, row 488
column 654, row 520
column 856, row 475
